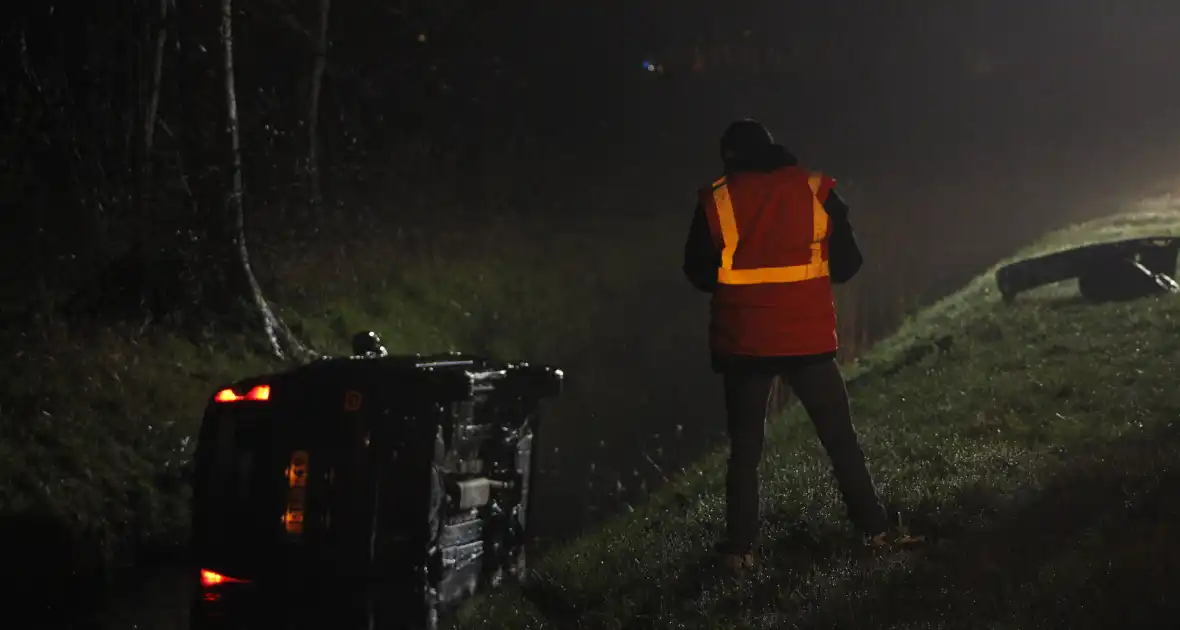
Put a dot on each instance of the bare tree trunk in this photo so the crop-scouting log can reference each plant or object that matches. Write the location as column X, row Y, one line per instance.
column 145, row 119
column 271, row 323
column 313, row 115
column 153, row 106
column 134, row 145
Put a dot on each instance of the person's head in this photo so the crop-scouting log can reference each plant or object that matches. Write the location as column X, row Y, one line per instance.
column 743, row 138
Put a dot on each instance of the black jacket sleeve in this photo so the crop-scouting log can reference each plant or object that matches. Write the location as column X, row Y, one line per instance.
column 844, row 257
column 701, row 258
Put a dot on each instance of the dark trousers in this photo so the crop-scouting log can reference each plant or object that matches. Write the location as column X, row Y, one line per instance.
column 819, row 386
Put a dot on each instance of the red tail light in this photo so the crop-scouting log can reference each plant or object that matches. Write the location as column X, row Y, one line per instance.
column 258, row 392
column 210, row 579
column 226, row 395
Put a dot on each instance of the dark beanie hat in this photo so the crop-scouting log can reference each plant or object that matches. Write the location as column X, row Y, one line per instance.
column 745, row 135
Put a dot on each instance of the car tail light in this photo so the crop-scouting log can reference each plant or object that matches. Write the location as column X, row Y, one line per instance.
column 209, row 579
column 296, row 474
column 228, row 395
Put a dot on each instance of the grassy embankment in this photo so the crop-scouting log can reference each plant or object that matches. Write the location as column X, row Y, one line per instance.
column 97, row 419
column 1039, row 453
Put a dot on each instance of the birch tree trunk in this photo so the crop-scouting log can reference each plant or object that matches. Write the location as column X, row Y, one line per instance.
column 277, row 333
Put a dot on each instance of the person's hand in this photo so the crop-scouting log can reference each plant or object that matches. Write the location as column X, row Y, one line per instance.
column 835, row 207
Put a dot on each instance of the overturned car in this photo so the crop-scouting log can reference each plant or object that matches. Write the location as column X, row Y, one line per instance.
column 1106, row 272
column 370, row 491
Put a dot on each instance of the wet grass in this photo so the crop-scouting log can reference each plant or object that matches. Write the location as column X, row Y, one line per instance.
column 1036, row 446
column 98, row 418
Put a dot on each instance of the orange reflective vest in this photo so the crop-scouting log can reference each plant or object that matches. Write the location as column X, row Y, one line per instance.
column 773, row 294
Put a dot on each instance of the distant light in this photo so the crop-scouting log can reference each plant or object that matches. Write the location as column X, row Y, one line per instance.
column 649, row 66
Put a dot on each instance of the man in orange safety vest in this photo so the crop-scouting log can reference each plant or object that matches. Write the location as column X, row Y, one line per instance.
column 768, row 240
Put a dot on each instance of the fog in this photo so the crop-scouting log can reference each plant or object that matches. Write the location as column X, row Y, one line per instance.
column 977, row 124
column 957, row 130
column 960, row 131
